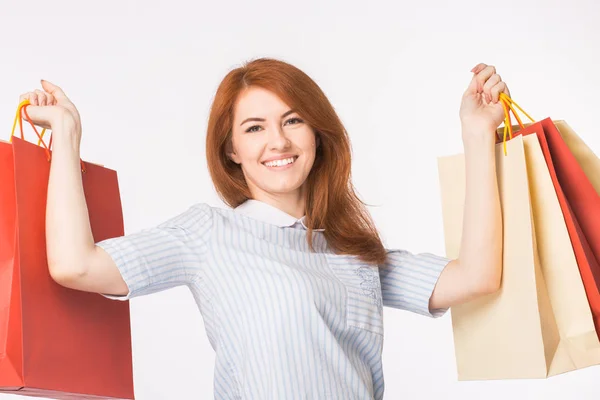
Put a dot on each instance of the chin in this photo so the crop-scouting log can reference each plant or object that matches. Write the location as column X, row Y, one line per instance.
column 283, row 187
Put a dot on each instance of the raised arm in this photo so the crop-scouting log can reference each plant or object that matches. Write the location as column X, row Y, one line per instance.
column 478, row 269
column 73, row 259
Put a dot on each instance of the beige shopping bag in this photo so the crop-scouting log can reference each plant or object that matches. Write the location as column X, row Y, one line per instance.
column 539, row 323
column 587, row 160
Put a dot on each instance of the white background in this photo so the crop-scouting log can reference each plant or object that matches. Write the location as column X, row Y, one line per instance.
column 143, row 74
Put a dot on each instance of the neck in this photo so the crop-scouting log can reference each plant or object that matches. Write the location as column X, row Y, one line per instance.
column 293, row 204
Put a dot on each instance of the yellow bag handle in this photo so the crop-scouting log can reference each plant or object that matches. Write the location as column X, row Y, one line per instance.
column 19, row 117
column 507, row 104
column 20, row 120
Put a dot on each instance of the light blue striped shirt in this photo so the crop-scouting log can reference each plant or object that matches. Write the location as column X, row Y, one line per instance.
column 285, row 322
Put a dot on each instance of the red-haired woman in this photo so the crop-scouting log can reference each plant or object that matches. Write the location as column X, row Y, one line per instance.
column 292, row 277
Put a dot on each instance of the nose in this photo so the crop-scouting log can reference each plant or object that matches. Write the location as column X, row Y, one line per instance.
column 278, row 140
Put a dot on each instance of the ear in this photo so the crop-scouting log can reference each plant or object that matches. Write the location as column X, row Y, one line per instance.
column 231, row 153
column 234, row 157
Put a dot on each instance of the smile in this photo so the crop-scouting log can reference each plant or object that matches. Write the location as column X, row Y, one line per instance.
column 280, row 163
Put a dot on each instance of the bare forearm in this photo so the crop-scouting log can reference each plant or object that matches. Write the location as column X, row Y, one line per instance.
column 68, row 233
column 481, row 245
column 478, row 268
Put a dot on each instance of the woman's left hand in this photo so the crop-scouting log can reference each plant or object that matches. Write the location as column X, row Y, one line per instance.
column 481, row 111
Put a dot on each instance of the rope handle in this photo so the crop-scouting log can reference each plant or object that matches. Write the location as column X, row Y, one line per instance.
column 509, row 105
column 22, row 109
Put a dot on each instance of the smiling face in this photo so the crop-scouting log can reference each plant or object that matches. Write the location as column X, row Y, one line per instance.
column 274, row 146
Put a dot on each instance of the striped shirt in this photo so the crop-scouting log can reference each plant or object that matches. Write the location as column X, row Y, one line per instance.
column 285, row 322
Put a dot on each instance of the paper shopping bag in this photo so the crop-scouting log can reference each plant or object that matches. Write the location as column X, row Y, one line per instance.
column 580, row 205
column 579, row 345
column 579, row 191
column 10, row 316
column 56, row 342
column 511, row 333
column 586, row 158
column 539, row 323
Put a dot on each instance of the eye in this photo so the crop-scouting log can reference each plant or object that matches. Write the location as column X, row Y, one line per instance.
column 294, row 119
column 251, row 129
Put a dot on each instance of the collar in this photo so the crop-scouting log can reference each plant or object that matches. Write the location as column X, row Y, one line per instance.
column 271, row 215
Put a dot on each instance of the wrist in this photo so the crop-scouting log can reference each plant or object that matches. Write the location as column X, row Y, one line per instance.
column 478, row 135
column 480, row 144
column 65, row 136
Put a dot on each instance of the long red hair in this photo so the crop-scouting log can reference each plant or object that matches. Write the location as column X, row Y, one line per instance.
column 331, row 201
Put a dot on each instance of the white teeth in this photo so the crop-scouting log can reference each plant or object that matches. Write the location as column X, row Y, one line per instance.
column 280, row 163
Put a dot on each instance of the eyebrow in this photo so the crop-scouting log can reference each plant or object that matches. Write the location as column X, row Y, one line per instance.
column 285, row 114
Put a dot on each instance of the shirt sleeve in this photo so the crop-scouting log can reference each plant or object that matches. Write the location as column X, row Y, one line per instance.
column 168, row 255
column 408, row 280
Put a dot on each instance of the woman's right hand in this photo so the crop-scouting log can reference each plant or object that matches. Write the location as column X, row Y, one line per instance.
column 50, row 108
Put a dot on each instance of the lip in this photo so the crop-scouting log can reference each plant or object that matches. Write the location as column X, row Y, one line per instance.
column 284, row 167
column 281, row 157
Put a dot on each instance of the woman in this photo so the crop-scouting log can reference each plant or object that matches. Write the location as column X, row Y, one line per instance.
column 292, row 278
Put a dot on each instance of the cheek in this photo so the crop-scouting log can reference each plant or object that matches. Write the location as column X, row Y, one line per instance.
column 248, row 151
column 310, row 147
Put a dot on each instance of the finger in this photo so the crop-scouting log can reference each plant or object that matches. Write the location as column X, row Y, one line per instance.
column 50, row 100
column 478, row 68
column 54, row 90
column 489, row 84
column 472, row 88
column 24, row 96
column 496, row 90
column 32, row 97
column 41, row 97
column 484, row 75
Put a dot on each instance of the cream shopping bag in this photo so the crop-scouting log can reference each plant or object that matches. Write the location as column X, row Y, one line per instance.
column 587, row 160
column 539, row 323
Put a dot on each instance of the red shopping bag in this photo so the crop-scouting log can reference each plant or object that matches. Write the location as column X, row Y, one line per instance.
column 56, row 342
column 579, row 202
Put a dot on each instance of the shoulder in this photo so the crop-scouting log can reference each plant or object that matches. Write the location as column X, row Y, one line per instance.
column 194, row 216
column 215, row 215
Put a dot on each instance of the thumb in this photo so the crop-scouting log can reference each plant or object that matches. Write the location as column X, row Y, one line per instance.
column 473, row 87
column 39, row 115
column 54, row 90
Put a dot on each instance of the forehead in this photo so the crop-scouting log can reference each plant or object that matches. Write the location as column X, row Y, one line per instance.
column 259, row 102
